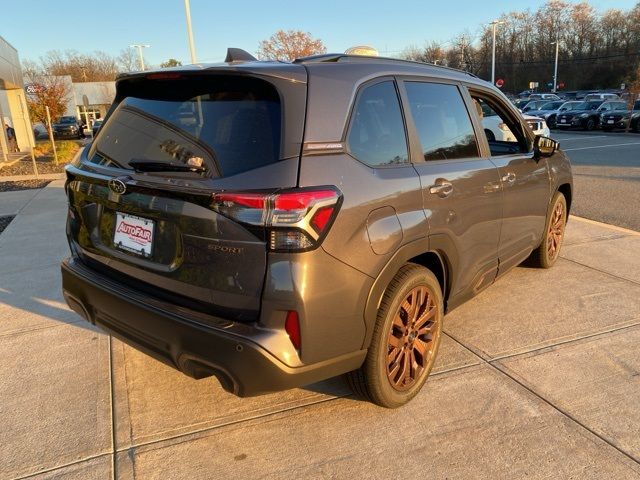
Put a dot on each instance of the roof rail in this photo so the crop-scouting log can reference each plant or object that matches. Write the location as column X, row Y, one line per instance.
column 336, row 57
column 239, row 55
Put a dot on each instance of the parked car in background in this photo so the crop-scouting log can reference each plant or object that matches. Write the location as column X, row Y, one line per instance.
column 521, row 103
column 550, row 115
column 585, row 115
column 67, row 127
column 533, row 105
column 96, row 126
column 635, row 123
column 291, row 234
column 601, row 96
column 544, row 96
column 497, row 130
column 547, row 111
column 619, row 117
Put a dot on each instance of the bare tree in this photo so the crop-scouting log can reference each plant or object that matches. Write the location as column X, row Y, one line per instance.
column 128, row 60
column 82, row 67
column 289, row 45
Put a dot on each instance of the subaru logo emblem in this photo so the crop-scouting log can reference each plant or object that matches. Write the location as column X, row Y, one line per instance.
column 117, row 186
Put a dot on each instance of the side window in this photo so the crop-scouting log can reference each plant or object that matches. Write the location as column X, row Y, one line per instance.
column 377, row 135
column 442, row 121
column 503, row 134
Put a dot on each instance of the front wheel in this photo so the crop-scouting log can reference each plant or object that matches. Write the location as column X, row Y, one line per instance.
column 590, row 125
column 547, row 253
column 405, row 341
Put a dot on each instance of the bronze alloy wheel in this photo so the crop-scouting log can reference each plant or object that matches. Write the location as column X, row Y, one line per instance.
column 556, row 231
column 412, row 339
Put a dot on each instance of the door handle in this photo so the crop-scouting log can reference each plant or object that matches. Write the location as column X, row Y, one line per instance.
column 509, row 177
column 441, row 188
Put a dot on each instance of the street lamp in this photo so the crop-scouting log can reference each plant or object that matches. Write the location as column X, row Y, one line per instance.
column 555, row 70
column 192, row 47
column 140, row 57
column 494, row 24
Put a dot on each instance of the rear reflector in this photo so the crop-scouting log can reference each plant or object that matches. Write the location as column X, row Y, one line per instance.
column 292, row 326
column 163, row 76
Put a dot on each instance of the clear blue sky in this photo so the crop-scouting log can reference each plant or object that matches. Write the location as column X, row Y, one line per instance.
column 37, row 26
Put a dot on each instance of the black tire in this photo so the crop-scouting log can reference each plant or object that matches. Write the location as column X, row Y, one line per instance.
column 590, row 125
column 373, row 381
column 551, row 121
column 490, row 136
column 545, row 256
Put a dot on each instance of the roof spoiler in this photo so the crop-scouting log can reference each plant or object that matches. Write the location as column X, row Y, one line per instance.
column 239, row 55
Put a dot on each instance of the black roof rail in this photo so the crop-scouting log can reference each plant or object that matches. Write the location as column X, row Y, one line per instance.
column 336, row 57
column 239, row 55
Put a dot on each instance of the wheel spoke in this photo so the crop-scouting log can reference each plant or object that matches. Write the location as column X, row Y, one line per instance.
column 425, row 317
column 406, row 370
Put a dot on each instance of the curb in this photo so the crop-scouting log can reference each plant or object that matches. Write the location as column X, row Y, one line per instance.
column 605, row 225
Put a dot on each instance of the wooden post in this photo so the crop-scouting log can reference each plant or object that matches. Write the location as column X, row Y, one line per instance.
column 53, row 143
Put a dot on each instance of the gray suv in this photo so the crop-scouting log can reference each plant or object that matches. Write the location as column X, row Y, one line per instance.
column 276, row 224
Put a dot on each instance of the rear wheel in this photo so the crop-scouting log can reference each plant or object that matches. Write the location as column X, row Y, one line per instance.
column 547, row 253
column 405, row 339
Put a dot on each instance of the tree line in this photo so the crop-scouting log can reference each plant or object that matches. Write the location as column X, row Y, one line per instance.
column 595, row 50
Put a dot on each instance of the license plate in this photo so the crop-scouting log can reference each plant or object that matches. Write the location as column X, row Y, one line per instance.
column 562, row 120
column 609, row 121
column 133, row 234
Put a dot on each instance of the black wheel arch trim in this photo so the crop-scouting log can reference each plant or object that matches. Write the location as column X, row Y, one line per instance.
column 438, row 244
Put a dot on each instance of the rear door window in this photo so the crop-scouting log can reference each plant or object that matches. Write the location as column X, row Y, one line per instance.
column 377, row 134
column 442, row 121
column 226, row 124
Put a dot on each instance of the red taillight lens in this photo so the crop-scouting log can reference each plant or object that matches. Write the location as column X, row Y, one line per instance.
column 292, row 326
column 296, row 219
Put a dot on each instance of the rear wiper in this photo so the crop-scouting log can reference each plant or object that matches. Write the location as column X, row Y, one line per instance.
column 152, row 166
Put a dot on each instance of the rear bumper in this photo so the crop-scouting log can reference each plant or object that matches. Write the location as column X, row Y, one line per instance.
column 232, row 352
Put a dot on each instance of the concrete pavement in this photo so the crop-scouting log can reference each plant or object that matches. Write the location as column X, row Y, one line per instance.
column 537, row 377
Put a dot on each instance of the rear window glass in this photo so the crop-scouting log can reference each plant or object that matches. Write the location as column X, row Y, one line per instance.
column 225, row 124
column 442, row 121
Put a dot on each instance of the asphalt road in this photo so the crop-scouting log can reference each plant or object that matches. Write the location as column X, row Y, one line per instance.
column 606, row 169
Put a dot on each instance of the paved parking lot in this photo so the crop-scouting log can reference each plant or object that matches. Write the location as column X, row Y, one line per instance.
column 606, row 169
column 538, row 377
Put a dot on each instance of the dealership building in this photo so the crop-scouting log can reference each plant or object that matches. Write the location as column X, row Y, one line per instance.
column 13, row 105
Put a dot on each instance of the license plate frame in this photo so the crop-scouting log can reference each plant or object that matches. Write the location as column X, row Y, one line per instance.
column 134, row 234
column 609, row 121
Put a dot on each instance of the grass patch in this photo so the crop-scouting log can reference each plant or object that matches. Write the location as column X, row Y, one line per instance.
column 65, row 149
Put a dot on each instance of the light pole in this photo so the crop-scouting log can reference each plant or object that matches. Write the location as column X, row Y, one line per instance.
column 555, row 70
column 494, row 24
column 140, row 57
column 192, row 47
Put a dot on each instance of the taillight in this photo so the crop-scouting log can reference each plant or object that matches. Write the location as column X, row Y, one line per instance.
column 296, row 220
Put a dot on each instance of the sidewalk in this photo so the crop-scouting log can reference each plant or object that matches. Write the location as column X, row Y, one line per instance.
column 538, row 377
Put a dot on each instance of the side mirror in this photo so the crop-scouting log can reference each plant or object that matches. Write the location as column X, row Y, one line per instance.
column 544, row 146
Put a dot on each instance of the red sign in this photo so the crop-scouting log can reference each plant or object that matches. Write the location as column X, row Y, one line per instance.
column 499, row 83
column 561, row 85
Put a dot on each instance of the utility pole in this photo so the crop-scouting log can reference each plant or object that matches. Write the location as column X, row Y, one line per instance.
column 140, row 57
column 192, row 47
column 494, row 25
column 555, row 70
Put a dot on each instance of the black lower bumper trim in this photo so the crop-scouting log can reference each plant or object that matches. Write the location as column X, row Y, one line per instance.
column 241, row 365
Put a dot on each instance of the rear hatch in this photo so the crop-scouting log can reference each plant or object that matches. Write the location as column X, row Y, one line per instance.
column 141, row 195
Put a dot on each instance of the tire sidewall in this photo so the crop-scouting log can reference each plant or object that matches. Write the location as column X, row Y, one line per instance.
column 558, row 197
column 376, row 369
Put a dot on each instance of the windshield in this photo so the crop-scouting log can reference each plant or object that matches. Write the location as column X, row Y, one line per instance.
column 226, row 125
column 67, row 120
column 587, row 106
column 551, row 106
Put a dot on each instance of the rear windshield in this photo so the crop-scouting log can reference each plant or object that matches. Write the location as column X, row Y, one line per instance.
column 225, row 124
